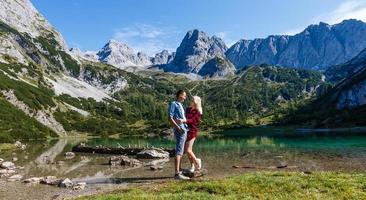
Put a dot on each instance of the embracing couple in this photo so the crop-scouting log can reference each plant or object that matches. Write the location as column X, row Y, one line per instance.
column 185, row 131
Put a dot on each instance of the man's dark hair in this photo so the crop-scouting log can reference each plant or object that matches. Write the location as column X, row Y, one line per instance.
column 179, row 93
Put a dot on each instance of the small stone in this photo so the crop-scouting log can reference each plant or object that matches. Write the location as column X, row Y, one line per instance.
column 69, row 155
column 278, row 157
column 16, row 177
column 282, row 165
column 6, row 172
column 23, row 147
column 155, row 168
column 33, row 180
column 1, row 160
column 79, row 186
column 7, row 165
column 67, row 183
column 15, row 159
column 18, row 144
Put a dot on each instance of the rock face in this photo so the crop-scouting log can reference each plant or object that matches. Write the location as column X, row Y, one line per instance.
column 194, row 51
column 351, row 77
column 153, row 153
column 336, row 73
column 317, row 47
column 22, row 15
column 217, row 67
column 122, row 56
column 88, row 55
column 164, row 57
column 353, row 95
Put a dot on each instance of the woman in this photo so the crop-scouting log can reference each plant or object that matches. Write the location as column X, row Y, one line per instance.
column 193, row 116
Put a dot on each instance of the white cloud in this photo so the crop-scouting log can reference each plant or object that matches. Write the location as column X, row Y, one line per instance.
column 146, row 38
column 349, row 9
column 292, row 31
column 224, row 36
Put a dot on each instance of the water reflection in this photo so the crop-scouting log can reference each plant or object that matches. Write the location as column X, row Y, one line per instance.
column 219, row 154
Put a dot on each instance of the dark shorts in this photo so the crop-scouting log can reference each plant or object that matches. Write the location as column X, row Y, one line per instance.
column 180, row 139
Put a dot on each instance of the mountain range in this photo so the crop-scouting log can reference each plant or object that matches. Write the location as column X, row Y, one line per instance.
column 47, row 89
column 317, row 47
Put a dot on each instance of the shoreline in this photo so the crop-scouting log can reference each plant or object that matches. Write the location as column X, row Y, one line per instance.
column 300, row 129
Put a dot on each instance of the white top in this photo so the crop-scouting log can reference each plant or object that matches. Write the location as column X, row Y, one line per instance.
column 183, row 111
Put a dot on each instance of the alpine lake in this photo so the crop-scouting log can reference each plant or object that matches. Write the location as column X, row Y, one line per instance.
column 225, row 153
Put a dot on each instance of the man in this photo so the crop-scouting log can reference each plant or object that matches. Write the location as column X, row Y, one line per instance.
column 176, row 112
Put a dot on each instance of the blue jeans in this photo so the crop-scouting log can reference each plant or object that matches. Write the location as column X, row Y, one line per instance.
column 180, row 140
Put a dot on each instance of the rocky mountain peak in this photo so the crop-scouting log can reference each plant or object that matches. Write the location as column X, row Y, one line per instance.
column 24, row 17
column 217, row 67
column 121, row 55
column 163, row 57
column 195, row 50
column 317, row 47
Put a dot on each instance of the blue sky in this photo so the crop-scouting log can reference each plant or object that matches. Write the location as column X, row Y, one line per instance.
column 153, row 25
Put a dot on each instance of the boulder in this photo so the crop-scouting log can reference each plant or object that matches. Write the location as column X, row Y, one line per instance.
column 18, row 144
column 124, row 160
column 33, row 180
column 7, row 165
column 153, row 153
column 67, row 183
column 79, row 186
column 6, row 172
column 16, row 177
column 50, row 180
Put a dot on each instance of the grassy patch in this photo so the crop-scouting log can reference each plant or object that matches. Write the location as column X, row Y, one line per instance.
column 6, row 146
column 260, row 185
column 15, row 124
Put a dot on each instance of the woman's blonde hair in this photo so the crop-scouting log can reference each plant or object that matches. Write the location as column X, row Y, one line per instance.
column 197, row 100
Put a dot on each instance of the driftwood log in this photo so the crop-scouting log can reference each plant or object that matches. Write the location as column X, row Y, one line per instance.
column 115, row 150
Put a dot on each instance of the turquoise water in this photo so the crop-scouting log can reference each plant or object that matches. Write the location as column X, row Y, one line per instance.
column 261, row 147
